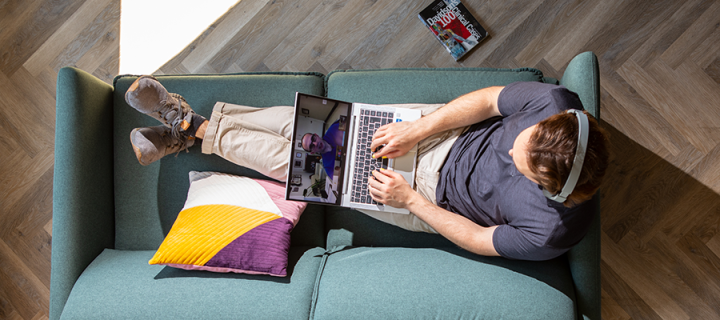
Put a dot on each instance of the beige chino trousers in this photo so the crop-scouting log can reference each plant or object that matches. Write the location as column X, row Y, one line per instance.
column 260, row 139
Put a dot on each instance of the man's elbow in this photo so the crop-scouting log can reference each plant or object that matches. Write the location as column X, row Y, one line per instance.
column 482, row 243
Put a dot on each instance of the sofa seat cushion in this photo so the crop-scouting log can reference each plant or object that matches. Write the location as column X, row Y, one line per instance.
column 121, row 284
column 413, row 283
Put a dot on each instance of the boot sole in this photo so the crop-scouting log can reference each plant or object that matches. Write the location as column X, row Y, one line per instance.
column 136, row 84
column 138, row 154
column 154, row 114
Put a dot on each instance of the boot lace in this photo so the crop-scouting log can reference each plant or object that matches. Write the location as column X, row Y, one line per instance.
column 177, row 142
column 179, row 115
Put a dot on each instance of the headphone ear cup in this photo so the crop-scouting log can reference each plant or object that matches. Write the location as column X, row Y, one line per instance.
column 554, row 197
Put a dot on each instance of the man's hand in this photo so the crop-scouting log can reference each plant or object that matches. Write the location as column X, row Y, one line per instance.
column 390, row 188
column 399, row 137
column 396, row 138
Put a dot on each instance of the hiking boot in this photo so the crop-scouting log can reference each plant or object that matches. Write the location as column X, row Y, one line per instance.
column 150, row 97
column 152, row 143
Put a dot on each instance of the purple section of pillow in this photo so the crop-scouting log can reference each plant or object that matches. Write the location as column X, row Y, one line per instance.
column 262, row 249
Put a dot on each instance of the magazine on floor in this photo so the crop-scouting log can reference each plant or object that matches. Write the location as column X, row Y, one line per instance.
column 453, row 25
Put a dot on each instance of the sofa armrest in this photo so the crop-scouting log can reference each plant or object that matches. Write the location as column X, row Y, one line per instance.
column 83, row 204
column 582, row 76
column 584, row 262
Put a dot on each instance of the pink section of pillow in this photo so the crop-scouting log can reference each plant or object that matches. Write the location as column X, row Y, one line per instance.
column 218, row 269
column 291, row 210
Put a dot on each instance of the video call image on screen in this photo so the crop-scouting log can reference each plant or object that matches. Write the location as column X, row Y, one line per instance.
column 316, row 170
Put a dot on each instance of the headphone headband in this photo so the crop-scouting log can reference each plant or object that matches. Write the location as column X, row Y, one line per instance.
column 584, row 128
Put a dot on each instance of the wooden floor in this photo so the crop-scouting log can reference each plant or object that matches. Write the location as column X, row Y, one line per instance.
column 660, row 78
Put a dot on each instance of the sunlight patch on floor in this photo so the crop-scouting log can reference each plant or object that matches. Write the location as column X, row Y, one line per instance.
column 153, row 31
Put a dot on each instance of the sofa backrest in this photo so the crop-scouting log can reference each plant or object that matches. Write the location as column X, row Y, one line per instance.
column 387, row 86
column 148, row 198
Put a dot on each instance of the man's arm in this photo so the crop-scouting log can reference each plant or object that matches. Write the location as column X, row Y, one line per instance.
column 391, row 189
column 456, row 228
column 466, row 110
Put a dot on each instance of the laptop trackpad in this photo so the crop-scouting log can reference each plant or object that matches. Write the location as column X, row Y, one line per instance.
column 405, row 166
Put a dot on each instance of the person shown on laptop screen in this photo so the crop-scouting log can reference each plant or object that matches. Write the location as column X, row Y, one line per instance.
column 326, row 146
column 500, row 171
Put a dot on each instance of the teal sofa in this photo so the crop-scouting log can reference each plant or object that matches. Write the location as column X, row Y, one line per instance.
column 110, row 214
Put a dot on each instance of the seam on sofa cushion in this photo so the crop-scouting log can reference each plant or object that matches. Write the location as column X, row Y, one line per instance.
column 316, row 286
column 278, row 73
column 318, row 278
column 550, row 80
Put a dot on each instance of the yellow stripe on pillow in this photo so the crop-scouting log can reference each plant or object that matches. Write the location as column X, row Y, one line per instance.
column 199, row 233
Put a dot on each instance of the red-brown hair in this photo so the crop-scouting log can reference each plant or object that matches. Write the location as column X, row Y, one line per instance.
column 551, row 152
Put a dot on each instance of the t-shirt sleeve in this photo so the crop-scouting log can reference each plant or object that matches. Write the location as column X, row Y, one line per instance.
column 527, row 96
column 515, row 243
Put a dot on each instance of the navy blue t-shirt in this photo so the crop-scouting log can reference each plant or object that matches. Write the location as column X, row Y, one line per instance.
column 479, row 180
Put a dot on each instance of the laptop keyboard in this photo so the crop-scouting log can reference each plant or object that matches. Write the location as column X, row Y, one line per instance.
column 369, row 122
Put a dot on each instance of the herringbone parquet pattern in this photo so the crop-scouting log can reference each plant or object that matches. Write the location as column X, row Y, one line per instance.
column 660, row 84
column 37, row 38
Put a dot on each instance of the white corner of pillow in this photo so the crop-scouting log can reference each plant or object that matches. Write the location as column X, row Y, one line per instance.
column 198, row 175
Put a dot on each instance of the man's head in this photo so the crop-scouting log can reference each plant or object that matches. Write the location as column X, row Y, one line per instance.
column 549, row 151
column 312, row 142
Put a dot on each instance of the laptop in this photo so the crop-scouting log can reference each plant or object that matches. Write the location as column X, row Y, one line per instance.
column 336, row 168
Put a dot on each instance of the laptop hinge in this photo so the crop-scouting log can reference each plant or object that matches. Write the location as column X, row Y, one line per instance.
column 350, row 153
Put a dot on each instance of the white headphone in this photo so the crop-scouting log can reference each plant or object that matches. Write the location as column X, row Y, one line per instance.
column 572, row 180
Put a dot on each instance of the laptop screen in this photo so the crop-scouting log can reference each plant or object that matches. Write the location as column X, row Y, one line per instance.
column 320, row 140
